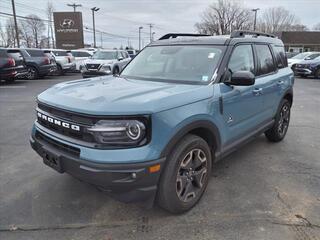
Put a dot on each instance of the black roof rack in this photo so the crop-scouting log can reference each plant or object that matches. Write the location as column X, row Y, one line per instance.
column 175, row 35
column 240, row 33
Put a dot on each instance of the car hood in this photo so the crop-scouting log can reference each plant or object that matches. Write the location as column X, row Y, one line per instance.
column 99, row 61
column 313, row 61
column 292, row 61
column 110, row 95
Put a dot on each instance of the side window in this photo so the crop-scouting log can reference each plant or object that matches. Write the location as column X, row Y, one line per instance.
column 280, row 55
column 265, row 60
column 241, row 59
column 124, row 55
column 75, row 54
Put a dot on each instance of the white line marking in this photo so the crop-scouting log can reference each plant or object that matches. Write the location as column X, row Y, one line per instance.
column 8, row 87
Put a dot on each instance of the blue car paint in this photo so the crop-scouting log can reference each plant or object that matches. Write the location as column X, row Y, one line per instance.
column 171, row 106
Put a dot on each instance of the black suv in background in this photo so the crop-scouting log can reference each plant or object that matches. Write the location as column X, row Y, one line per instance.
column 38, row 62
column 12, row 64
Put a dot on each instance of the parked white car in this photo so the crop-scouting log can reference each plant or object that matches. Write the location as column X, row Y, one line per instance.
column 65, row 61
column 301, row 57
column 80, row 56
column 105, row 62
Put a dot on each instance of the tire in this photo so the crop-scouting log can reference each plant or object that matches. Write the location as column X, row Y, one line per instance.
column 10, row 80
column 185, row 177
column 317, row 74
column 116, row 71
column 60, row 71
column 32, row 73
column 282, row 120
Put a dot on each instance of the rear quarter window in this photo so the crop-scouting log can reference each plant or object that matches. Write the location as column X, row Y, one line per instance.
column 280, row 57
column 14, row 54
column 36, row 53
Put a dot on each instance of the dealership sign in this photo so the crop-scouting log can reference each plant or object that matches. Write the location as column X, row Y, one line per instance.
column 68, row 29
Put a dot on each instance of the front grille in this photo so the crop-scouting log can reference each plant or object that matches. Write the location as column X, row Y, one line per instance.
column 92, row 66
column 58, row 145
column 69, row 118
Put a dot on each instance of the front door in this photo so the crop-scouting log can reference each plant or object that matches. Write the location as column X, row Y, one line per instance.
column 242, row 105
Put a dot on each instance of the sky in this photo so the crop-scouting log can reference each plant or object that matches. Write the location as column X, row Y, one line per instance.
column 124, row 17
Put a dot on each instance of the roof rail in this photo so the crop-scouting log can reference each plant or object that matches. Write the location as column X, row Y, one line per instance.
column 175, row 35
column 240, row 33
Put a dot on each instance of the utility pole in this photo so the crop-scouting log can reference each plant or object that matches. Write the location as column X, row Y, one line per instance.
column 74, row 6
column 255, row 10
column 15, row 22
column 150, row 26
column 153, row 36
column 140, row 37
column 94, row 9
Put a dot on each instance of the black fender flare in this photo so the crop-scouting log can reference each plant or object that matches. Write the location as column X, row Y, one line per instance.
column 203, row 124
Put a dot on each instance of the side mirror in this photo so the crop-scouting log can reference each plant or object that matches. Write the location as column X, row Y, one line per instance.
column 120, row 58
column 241, row 78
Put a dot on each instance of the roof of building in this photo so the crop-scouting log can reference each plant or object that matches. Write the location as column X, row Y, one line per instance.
column 300, row 37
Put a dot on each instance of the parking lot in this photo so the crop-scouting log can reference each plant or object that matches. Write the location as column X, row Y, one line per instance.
column 263, row 191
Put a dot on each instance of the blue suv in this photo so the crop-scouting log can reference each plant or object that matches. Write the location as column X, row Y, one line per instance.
column 154, row 132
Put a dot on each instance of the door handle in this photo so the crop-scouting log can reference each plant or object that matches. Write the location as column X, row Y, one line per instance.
column 257, row 91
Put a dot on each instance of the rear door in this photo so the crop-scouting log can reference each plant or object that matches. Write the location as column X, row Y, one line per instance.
column 266, row 76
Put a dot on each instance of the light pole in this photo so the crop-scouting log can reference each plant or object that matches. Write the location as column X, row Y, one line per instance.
column 15, row 22
column 140, row 28
column 255, row 10
column 94, row 9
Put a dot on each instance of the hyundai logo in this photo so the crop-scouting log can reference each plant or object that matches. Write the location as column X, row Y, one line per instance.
column 58, row 122
column 67, row 23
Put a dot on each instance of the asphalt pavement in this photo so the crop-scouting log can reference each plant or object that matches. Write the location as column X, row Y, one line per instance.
column 262, row 191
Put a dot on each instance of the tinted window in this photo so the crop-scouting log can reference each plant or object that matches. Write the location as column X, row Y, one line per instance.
column 14, row 54
column 281, row 58
column 265, row 60
column 83, row 54
column 124, row 55
column 242, row 59
column 3, row 53
column 60, row 53
column 35, row 53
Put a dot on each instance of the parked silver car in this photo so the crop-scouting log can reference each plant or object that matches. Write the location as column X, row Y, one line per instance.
column 105, row 62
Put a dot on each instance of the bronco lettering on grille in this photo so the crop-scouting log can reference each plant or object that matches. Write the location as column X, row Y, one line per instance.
column 58, row 122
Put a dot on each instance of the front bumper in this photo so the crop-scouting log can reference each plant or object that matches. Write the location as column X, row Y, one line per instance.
column 303, row 71
column 87, row 73
column 127, row 182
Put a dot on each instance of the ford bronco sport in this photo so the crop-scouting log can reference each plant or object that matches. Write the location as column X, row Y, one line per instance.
column 154, row 131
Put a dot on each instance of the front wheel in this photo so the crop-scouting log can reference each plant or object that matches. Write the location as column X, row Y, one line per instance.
column 32, row 73
column 186, row 175
column 280, row 127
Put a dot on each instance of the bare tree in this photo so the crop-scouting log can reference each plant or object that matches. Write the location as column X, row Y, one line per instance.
column 277, row 19
column 316, row 27
column 223, row 17
column 32, row 30
column 8, row 34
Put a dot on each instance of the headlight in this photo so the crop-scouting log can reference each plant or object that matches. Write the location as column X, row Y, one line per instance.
column 120, row 132
column 106, row 68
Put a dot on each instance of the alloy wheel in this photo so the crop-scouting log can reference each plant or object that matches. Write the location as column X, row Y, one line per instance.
column 191, row 175
column 284, row 120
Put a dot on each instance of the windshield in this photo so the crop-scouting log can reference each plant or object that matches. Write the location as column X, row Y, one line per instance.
column 175, row 63
column 301, row 55
column 105, row 55
column 312, row 56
